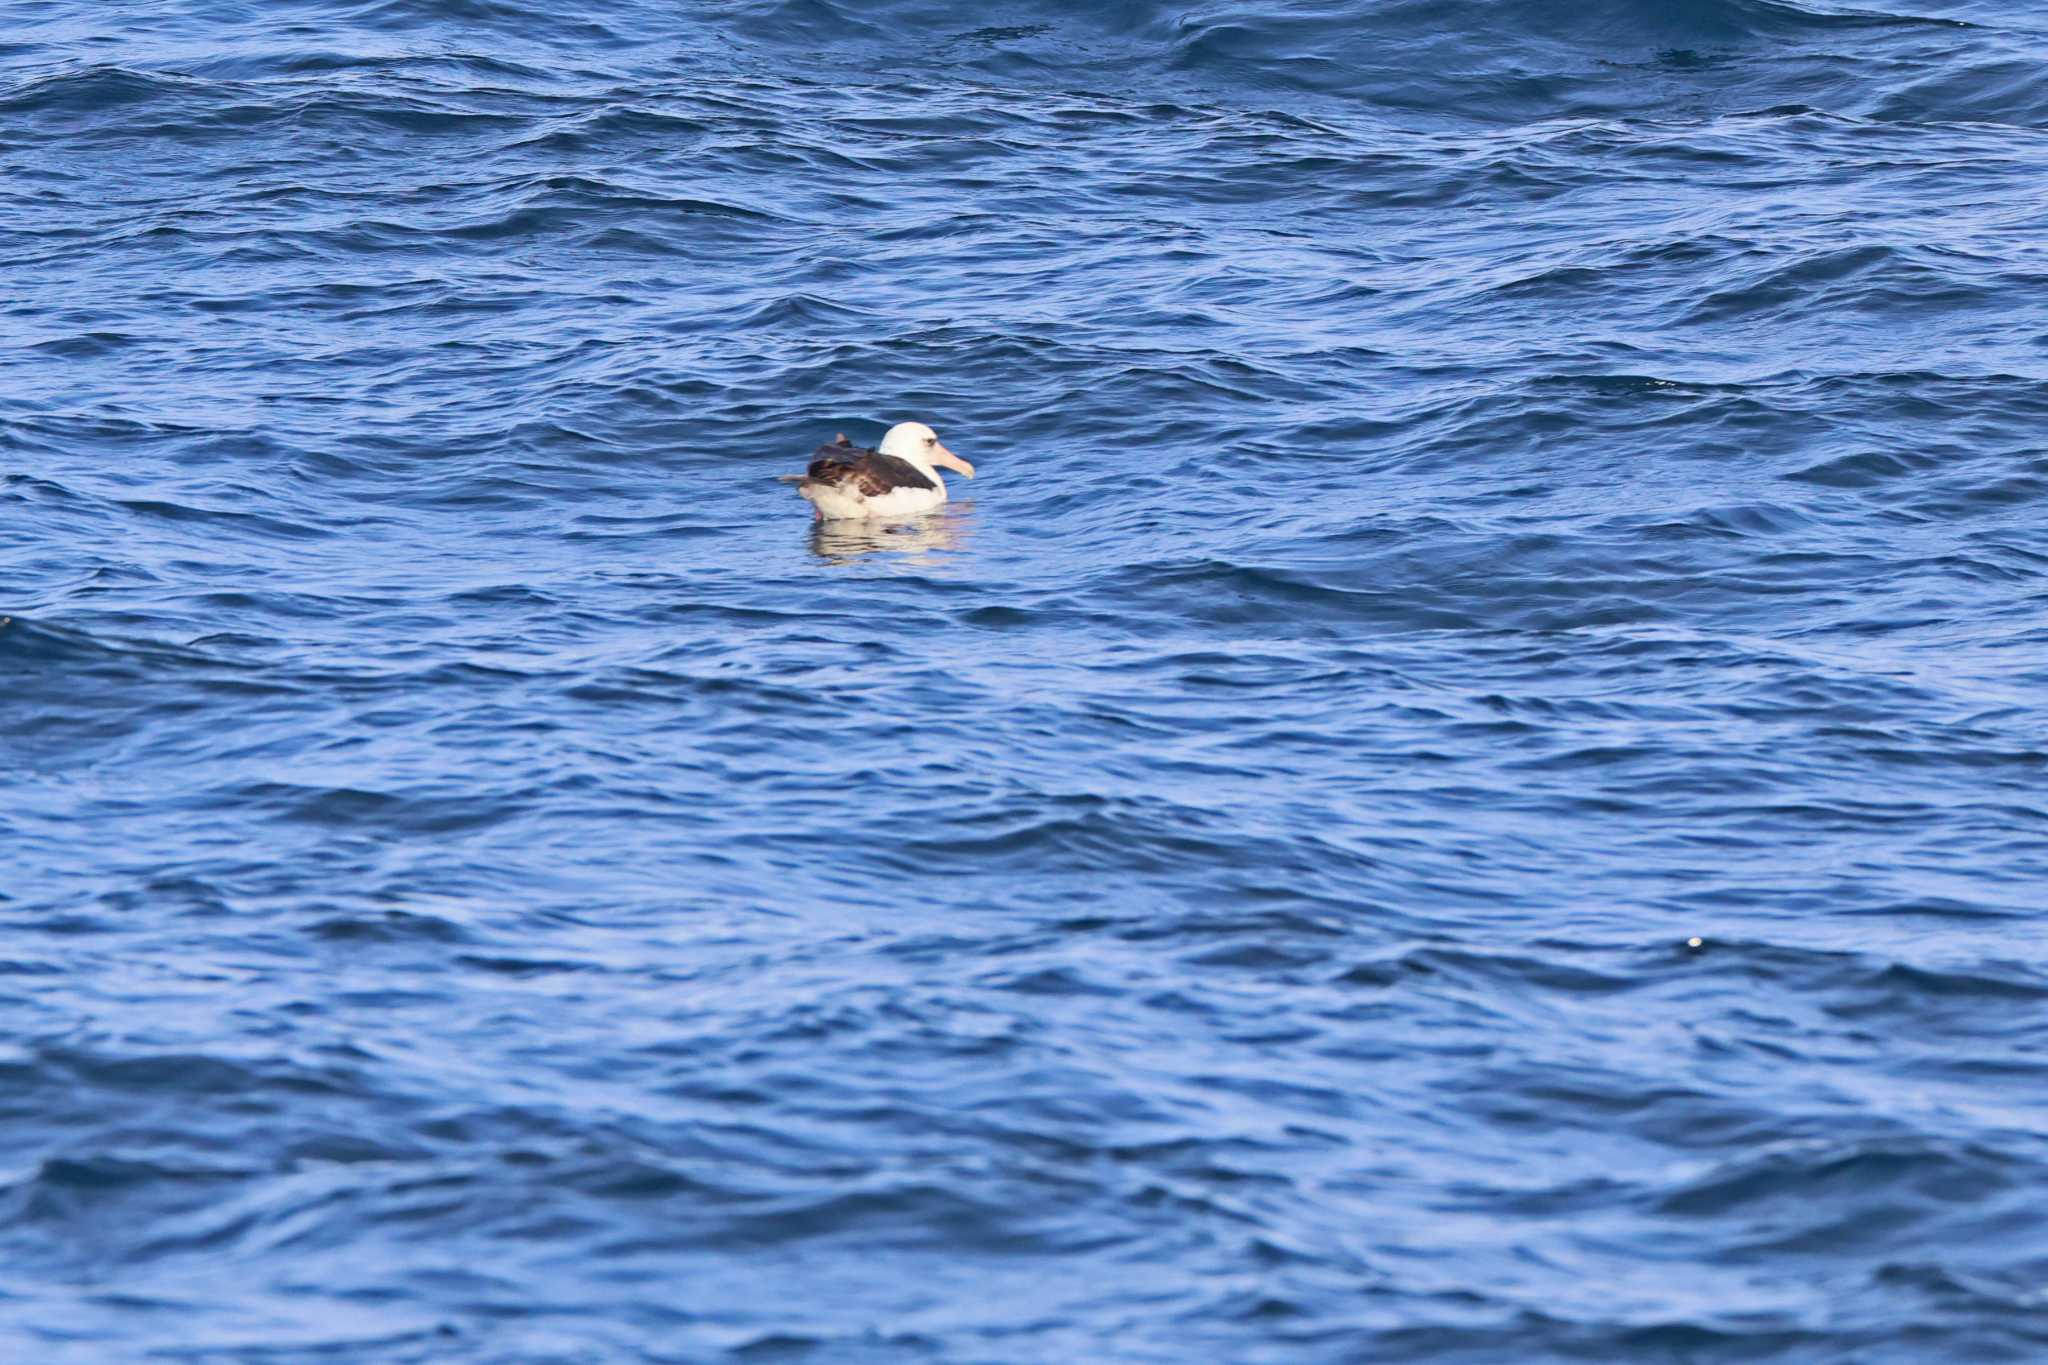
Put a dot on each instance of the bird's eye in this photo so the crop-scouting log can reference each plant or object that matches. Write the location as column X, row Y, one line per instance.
column 931, row 440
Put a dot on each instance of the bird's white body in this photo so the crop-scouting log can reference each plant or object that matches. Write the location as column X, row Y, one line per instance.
column 841, row 504
column 899, row 478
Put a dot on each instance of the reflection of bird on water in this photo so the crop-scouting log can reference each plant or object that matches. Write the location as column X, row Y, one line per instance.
column 843, row 541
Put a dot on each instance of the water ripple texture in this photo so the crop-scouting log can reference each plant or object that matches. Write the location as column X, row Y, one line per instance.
column 1466, row 785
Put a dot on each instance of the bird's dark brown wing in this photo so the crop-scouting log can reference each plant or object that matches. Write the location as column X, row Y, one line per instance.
column 869, row 472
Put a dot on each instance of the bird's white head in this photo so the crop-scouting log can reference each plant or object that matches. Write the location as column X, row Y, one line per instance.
column 919, row 444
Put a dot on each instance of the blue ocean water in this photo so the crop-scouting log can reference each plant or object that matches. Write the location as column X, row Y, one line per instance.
column 1466, row 785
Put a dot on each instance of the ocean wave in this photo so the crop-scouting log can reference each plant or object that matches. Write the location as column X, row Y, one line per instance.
column 1464, row 783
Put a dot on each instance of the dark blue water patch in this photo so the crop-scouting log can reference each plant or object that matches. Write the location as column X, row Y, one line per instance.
column 1464, row 785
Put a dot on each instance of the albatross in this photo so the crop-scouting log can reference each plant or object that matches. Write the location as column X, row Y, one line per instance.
column 899, row 478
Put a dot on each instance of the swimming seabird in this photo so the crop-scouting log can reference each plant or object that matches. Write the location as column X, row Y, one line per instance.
column 899, row 478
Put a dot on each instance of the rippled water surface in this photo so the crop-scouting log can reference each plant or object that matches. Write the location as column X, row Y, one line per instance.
column 1474, row 497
